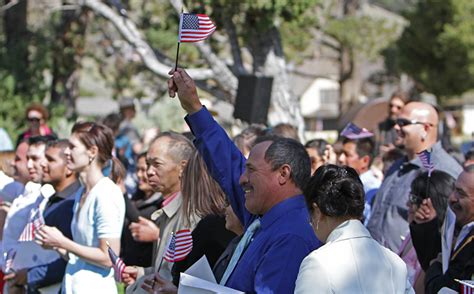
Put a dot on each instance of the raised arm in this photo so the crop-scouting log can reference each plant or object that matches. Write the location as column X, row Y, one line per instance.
column 223, row 159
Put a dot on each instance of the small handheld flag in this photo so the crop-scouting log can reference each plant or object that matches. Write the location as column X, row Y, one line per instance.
column 117, row 264
column 425, row 157
column 467, row 287
column 179, row 246
column 29, row 232
column 9, row 256
column 193, row 28
column 353, row 132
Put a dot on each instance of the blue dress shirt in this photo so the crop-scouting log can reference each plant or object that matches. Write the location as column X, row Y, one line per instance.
column 271, row 262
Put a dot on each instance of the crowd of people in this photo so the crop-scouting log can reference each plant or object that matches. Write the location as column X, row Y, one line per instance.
column 365, row 214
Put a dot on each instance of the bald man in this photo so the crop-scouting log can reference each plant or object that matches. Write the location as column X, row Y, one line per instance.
column 417, row 127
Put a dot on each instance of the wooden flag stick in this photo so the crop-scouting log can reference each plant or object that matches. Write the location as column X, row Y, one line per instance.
column 177, row 55
column 179, row 37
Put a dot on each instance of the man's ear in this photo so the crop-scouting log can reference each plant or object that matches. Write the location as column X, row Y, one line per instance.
column 366, row 159
column 284, row 174
column 181, row 166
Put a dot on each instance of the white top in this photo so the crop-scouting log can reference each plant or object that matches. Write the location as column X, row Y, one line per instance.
column 352, row 262
column 9, row 188
column 101, row 216
column 28, row 254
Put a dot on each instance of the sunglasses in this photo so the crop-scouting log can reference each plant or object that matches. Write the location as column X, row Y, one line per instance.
column 406, row 122
column 34, row 119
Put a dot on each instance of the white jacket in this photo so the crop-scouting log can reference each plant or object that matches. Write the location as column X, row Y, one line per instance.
column 352, row 262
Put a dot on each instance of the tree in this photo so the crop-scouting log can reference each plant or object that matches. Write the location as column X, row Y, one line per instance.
column 437, row 48
column 358, row 37
column 263, row 42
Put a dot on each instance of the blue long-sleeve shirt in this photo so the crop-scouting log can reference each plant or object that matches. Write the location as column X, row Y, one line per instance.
column 272, row 260
column 58, row 213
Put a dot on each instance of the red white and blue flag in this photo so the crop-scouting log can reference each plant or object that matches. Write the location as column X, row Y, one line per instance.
column 9, row 260
column 29, row 232
column 181, row 243
column 467, row 287
column 117, row 263
column 425, row 158
column 195, row 27
column 353, row 132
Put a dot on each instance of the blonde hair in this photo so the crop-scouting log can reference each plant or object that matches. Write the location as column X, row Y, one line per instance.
column 202, row 195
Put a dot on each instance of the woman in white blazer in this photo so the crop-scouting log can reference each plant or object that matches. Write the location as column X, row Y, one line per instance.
column 350, row 261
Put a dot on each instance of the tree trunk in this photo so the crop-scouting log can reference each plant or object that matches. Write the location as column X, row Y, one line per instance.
column 16, row 33
column 269, row 60
column 67, row 59
column 350, row 82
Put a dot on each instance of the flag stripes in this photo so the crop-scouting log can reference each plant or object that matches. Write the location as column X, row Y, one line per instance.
column 180, row 245
column 195, row 27
column 117, row 264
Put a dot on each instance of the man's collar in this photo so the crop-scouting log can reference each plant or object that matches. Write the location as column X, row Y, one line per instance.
column 68, row 190
column 281, row 209
column 170, row 209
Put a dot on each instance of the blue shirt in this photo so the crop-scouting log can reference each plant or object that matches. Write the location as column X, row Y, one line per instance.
column 57, row 213
column 272, row 260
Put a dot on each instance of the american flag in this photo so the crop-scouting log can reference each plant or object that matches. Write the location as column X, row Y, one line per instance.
column 36, row 221
column 467, row 287
column 425, row 157
column 195, row 27
column 10, row 255
column 117, row 264
column 353, row 132
column 179, row 246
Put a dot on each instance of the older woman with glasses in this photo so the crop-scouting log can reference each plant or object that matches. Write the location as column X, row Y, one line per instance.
column 36, row 116
column 98, row 214
column 350, row 261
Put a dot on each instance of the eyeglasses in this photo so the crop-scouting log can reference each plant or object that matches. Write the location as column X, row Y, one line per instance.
column 34, row 119
column 415, row 199
column 402, row 122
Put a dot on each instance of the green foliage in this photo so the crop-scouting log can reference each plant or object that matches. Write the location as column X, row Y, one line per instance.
column 254, row 18
column 12, row 106
column 15, row 99
column 437, row 48
column 363, row 34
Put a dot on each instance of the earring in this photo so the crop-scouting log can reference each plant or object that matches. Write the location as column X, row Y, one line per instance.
column 90, row 160
column 317, row 224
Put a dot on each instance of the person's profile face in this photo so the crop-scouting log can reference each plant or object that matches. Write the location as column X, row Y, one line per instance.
column 395, row 105
column 163, row 172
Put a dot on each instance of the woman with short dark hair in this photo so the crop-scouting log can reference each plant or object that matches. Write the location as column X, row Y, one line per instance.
column 351, row 261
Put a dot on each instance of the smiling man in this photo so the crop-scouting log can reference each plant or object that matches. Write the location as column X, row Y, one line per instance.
column 417, row 127
column 265, row 192
column 461, row 263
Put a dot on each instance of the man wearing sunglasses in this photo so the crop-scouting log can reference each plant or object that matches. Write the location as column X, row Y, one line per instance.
column 386, row 134
column 416, row 127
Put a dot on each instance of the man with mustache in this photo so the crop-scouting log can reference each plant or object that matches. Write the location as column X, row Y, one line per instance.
column 265, row 192
column 461, row 262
